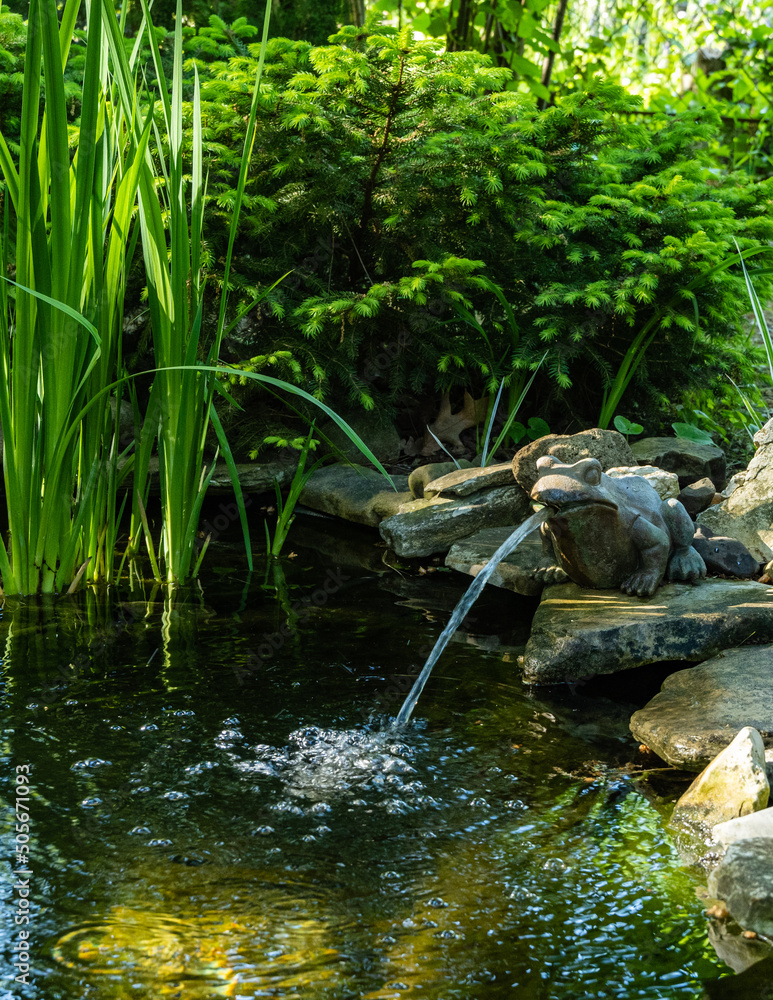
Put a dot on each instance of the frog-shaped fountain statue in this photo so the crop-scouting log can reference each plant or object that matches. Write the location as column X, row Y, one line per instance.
column 603, row 532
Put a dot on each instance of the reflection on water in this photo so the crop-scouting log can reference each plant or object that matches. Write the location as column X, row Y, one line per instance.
column 199, row 830
column 265, row 952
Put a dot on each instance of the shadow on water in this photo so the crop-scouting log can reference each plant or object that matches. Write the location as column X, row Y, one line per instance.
column 221, row 808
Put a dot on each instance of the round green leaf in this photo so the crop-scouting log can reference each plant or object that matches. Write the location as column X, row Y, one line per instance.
column 626, row 426
column 692, row 433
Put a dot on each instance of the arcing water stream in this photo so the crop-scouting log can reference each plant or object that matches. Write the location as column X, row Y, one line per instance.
column 470, row 597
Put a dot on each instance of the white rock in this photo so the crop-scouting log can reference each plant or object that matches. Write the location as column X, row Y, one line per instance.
column 666, row 484
column 734, row 784
column 756, row 824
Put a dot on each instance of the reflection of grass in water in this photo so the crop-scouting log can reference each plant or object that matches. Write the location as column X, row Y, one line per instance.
column 585, row 898
column 199, row 957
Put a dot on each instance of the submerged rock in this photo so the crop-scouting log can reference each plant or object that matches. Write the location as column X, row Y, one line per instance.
column 609, row 447
column 744, row 880
column 579, row 633
column 734, row 784
column 425, row 527
column 740, row 952
column 689, row 460
column 516, row 572
column 747, row 513
column 699, row 710
column 756, row 979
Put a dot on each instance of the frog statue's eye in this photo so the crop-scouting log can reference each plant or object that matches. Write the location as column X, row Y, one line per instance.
column 593, row 474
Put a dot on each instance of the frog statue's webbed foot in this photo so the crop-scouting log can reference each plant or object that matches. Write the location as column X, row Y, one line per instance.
column 642, row 583
column 547, row 575
column 686, row 563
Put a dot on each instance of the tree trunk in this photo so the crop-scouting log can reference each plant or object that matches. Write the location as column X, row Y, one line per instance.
column 356, row 12
column 547, row 66
column 458, row 34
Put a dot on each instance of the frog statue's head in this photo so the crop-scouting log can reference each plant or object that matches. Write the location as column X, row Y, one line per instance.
column 562, row 486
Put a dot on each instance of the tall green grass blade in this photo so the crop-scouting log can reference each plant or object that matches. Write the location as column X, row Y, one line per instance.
column 759, row 314
column 237, row 486
column 514, row 410
column 60, row 306
column 486, row 456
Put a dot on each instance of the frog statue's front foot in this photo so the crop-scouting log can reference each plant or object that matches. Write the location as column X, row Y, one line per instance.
column 547, row 575
column 641, row 584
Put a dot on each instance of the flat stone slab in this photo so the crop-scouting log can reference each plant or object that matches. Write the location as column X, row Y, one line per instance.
column 254, row 477
column 354, row 493
column 514, row 573
column 698, row 711
column 464, row 482
column 425, row 527
column 579, row 633
column 424, row 474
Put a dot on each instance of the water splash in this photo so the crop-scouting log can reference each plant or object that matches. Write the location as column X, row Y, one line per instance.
column 469, row 598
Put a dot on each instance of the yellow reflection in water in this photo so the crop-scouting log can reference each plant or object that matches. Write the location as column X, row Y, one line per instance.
column 198, row 958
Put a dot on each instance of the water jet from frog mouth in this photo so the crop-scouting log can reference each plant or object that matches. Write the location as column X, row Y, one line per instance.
column 468, row 599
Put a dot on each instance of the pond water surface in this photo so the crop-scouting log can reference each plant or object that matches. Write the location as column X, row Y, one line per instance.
column 221, row 808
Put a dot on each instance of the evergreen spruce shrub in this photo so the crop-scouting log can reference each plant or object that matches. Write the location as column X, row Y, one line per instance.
column 13, row 41
column 439, row 230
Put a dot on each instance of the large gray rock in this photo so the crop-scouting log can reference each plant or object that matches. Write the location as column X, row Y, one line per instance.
column 425, row 527
column 689, row 460
column 747, row 513
column 699, row 710
column 465, row 482
column 734, row 784
column 515, row 573
column 254, row 477
column 744, row 880
column 579, row 633
column 354, row 493
column 749, row 827
column 609, row 447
